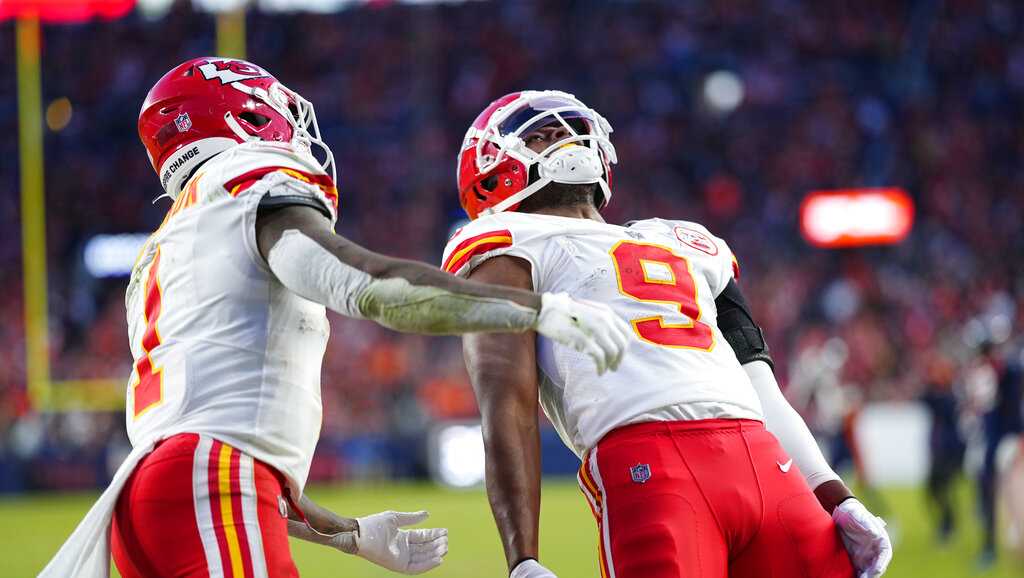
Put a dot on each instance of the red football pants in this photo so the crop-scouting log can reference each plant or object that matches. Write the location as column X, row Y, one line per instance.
column 199, row 508
column 706, row 499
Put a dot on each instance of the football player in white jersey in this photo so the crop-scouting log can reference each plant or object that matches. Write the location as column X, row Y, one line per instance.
column 678, row 467
column 227, row 325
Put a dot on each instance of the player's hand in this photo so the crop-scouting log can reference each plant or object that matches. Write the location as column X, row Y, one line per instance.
column 531, row 568
column 865, row 538
column 382, row 541
column 587, row 327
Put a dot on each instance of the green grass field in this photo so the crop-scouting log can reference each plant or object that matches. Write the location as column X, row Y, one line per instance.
column 33, row 527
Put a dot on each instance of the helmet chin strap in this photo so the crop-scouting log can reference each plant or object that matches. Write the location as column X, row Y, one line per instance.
column 518, row 197
column 565, row 165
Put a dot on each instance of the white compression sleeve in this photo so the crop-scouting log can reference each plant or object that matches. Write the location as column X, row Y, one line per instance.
column 786, row 424
column 402, row 306
column 312, row 272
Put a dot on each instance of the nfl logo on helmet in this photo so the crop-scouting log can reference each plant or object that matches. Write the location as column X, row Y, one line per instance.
column 183, row 122
column 640, row 473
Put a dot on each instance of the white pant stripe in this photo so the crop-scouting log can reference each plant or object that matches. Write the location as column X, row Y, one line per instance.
column 250, row 515
column 586, row 494
column 595, row 473
column 201, row 503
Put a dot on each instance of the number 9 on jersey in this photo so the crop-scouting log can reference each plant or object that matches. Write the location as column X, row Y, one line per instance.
column 654, row 274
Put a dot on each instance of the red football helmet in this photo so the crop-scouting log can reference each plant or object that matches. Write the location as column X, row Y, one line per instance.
column 496, row 170
column 205, row 106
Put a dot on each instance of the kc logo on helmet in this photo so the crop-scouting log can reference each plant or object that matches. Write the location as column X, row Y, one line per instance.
column 228, row 71
column 640, row 473
column 183, row 122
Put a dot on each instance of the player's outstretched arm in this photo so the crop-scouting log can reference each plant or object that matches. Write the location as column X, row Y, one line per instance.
column 863, row 534
column 503, row 370
column 378, row 538
column 307, row 257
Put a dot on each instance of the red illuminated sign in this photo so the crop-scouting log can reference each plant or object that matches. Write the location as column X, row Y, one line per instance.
column 856, row 217
column 65, row 10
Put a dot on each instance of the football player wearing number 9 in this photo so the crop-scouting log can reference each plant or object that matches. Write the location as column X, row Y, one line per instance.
column 693, row 462
column 227, row 324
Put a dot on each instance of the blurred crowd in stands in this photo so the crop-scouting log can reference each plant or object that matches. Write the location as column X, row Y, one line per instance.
column 927, row 96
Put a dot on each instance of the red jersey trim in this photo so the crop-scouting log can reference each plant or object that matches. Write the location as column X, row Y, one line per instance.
column 476, row 245
column 242, row 182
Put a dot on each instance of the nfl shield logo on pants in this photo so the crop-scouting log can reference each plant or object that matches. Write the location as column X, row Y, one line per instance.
column 640, row 473
column 183, row 122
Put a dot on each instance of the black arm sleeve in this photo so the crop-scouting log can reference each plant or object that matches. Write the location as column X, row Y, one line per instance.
column 737, row 324
column 271, row 203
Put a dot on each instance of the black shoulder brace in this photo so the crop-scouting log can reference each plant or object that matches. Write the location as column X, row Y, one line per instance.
column 737, row 324
column 271, row 203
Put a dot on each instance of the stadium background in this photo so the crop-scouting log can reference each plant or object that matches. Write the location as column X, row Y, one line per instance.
column 923, row 95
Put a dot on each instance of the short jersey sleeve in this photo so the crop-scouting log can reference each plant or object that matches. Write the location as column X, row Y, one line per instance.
column 492, row 236
column 280, row 176
column 728, row 267
column 279, row 186
column 255, row 176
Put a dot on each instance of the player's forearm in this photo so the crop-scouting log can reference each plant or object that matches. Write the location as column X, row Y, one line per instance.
column 321, row 519
column 312, row 262
column 319, row 525
column 422, row 275
column 787, row 425
column 344, row 541
column 502, row 370
column 411, row 296
column 512, row 444
column 397, row 304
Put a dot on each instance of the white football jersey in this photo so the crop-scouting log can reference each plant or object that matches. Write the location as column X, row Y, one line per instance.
column 661, row 276
column 220, row 346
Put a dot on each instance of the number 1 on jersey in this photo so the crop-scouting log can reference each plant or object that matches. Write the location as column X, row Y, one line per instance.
column 654, row 274
column 148, row 391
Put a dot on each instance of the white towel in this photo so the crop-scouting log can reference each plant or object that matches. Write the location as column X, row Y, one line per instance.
column 86, row 553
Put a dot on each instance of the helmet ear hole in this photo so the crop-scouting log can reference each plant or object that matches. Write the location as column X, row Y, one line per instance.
column 254, row 119
column 490, row 183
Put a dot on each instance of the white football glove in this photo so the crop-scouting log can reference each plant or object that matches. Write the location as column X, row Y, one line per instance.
column 587, row 327
column 531, row 569
column 381, row 541
column 865, row 538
